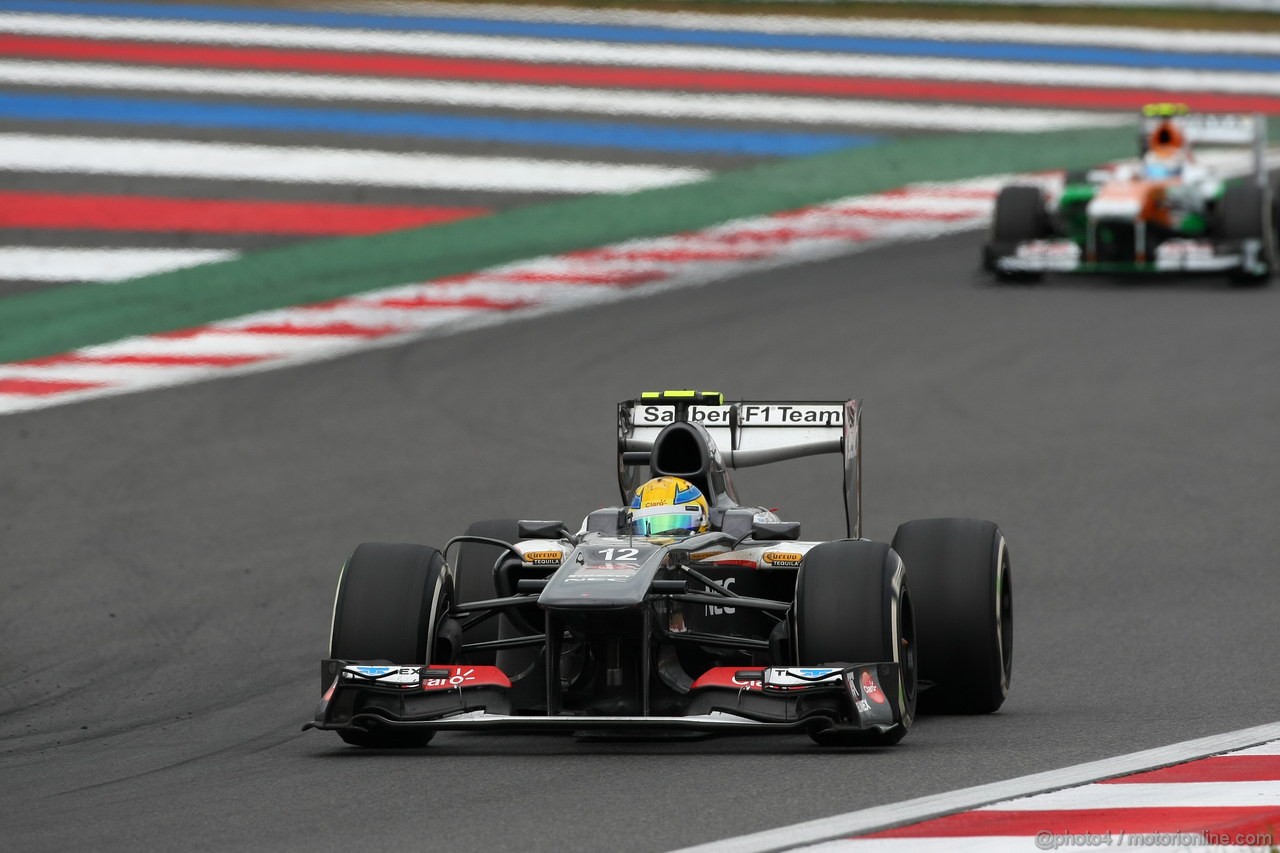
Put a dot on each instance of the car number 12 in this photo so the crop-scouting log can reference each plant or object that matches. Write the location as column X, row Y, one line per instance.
column 620, row 554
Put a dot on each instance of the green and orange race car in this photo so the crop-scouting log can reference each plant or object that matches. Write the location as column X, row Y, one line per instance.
column 1172, row 212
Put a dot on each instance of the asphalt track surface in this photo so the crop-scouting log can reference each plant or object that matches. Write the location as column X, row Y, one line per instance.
column 169, row 558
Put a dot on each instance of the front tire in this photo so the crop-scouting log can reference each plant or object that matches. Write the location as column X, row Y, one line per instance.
column 853, row 606
column 392, row 605
column 962, row 582
column 1019, row 216
column 1245, row 212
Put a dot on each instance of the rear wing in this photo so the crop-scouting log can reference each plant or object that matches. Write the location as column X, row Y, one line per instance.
column 1238, row 130
column 746, row 434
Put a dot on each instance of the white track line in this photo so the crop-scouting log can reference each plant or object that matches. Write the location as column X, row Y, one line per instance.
column 115, row 374
column 990, row 844
column 211, row 341
column 1141, row 38
column 548, row 50
column 921, row 808
column 732, row 107
column 171, row 158
column 1138, row 795
column 34, row 263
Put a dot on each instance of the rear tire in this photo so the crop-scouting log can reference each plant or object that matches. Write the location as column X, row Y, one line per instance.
column 1019, row 216
column 391, row 604
column 474, row 571
column 1245, row 212
column 962, row 583
column 852, row 606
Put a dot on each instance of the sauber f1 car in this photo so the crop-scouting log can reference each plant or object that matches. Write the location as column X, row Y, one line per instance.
column 706, row 615
column 1169, row 213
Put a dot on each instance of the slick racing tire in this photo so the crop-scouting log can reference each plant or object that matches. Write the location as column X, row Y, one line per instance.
column 961, row 582
column 392, row 606
column 1019, row 216
column 474, row 573
column 1244, row 213
column 852, row 606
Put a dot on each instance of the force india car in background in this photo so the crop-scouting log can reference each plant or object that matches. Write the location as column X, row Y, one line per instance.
column 743, row 628
column 1169, row 213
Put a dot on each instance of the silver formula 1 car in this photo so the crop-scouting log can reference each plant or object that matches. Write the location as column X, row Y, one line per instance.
column 743, row 628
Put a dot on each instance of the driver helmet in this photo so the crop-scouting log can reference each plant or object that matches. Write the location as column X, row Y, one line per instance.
column 1166, row 152
column 666, row 505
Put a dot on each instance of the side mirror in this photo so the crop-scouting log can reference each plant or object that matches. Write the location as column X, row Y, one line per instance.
column 541, row 529
column 762, row 530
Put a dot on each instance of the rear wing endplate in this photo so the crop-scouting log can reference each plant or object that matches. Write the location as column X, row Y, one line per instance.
column 750, row 433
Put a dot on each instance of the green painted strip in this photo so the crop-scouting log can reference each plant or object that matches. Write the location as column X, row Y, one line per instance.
column 58, row 320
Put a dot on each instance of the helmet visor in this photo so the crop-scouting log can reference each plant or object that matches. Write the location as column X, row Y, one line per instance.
column 666, row 520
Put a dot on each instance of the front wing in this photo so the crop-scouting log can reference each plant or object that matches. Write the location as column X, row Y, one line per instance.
column 1172, row 256
column 725, row 700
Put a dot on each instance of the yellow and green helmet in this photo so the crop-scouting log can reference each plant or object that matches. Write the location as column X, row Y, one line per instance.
column 669, row 506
